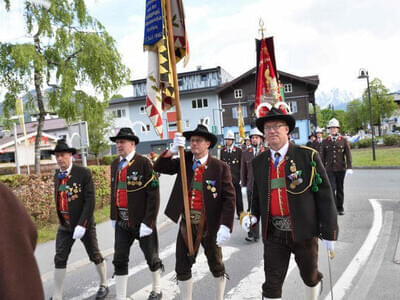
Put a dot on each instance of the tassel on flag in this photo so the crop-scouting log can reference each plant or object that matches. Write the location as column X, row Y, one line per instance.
column 241, row 123
column 159, row 84
column 267, row 88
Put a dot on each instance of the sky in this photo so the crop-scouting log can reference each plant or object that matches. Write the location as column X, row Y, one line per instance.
column 331, row 39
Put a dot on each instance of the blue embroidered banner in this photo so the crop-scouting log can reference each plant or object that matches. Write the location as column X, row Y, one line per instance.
column 153, row 28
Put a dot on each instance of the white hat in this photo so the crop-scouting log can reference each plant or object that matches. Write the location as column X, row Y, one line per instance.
column 318, row 129
column 229, row 135
column 333, row 123
column 255, row 131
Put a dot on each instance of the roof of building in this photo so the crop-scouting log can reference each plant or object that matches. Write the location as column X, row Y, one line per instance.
column 9, row 141
column 48, row 125
column 312, row 80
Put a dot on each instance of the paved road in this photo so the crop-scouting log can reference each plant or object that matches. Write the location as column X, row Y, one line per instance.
column 364, row 266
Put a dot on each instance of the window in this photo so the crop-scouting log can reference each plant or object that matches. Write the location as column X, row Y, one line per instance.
column 199, row 103
column 293, row 106
column 295, row 134
column 142, row 109
column 145, row 128
column 187, row 123
column 203, row 77
column 148, row 127
column 45, row 154
column 238, row 93
column 119, row 113
column 235, row 114
column 180, row 82
column 172, row 126
column 288, row 87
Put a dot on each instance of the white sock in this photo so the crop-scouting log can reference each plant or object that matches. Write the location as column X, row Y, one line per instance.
column 185, row 288
column 102, row 270
column 220, row 282
column 121, row 283
column 59, row 276
column 156, row 281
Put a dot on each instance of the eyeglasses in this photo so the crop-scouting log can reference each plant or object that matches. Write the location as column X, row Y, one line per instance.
column 274, row 127
column 197, row 141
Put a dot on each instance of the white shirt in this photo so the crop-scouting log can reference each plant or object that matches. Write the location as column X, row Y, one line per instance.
column 128, row 158
column 281, row 151
column 202, row 160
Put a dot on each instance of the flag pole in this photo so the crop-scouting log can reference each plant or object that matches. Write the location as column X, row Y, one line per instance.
column 171, row 46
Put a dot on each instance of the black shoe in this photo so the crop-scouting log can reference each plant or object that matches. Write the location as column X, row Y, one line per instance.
column 102, row 292
column 154, row 296
column 341, row 212
column 249, row 239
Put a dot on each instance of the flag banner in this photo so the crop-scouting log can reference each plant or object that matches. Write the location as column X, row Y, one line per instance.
column 19, row 108
column 267, row 88
column 179, row 29
column 159, row 85
column 153, row 27
column 241, row 123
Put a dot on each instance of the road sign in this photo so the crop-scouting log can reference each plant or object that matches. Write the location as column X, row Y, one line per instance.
column 78, row 135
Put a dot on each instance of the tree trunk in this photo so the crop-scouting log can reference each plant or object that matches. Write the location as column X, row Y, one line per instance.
column 42, row 112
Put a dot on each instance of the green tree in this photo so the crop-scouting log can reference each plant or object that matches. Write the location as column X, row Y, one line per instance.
column 383, row 104
column 94, row 112
column 67, row 49
column 356, row 116
column 323, row 116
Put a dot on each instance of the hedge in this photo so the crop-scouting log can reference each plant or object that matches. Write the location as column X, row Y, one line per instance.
column 37, row 192
column 364, row 143
column 391, row 140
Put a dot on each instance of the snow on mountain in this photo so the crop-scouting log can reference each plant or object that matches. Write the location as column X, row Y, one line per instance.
column 337, row 98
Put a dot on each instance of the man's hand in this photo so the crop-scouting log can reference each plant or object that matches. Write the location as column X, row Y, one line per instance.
column 223, row 235
column 349, row 172
column 179, row 141
column 247, row 222
column 79, row 232
column 144, row 230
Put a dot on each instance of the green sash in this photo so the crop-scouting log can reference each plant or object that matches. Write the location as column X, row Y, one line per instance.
column 197, row 186
column 121, row 185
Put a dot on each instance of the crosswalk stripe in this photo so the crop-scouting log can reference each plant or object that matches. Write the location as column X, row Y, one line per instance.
column 344, row 283
column 250, row 286
column 90, row 291
column 168, row 285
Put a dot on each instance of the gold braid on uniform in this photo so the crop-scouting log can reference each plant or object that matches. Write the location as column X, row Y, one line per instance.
column 153, row 181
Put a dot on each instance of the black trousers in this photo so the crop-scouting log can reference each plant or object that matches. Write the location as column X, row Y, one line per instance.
column 239, row 198
column 254, row 230
column 64, row 242
column 122, row 245
column 277, row 249
column 337, row 181
column 183, row 265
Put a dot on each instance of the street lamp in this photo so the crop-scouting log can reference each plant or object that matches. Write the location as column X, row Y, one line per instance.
column 364, row 74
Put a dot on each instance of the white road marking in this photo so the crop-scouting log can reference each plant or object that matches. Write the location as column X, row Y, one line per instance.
column 371, row 270
column 344, row 283
column 250, row 286
column 90, row 291
column 169, row 286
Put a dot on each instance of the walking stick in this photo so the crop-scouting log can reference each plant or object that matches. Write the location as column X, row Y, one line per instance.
column 171, row 47
column 331, row 255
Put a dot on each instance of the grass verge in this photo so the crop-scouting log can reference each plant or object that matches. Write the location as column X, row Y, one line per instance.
column 385, row 156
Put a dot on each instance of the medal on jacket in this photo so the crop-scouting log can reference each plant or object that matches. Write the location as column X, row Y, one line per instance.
column 292, row 166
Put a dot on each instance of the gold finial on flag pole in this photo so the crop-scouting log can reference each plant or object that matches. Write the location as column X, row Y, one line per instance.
column 262, row 28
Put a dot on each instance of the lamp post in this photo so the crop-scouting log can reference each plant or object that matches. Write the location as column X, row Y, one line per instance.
column 364, row 74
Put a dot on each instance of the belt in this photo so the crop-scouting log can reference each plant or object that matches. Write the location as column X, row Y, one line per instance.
column 281, row 223
column 195, row 216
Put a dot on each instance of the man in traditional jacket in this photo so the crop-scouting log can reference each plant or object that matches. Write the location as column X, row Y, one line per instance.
column 212, row 206
column 247, row 178
column 336, row 156
column 19, row 275
column 293, row 201
column 317, row 143
column 135, row 200
column 75, row 201
column 232, row 155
